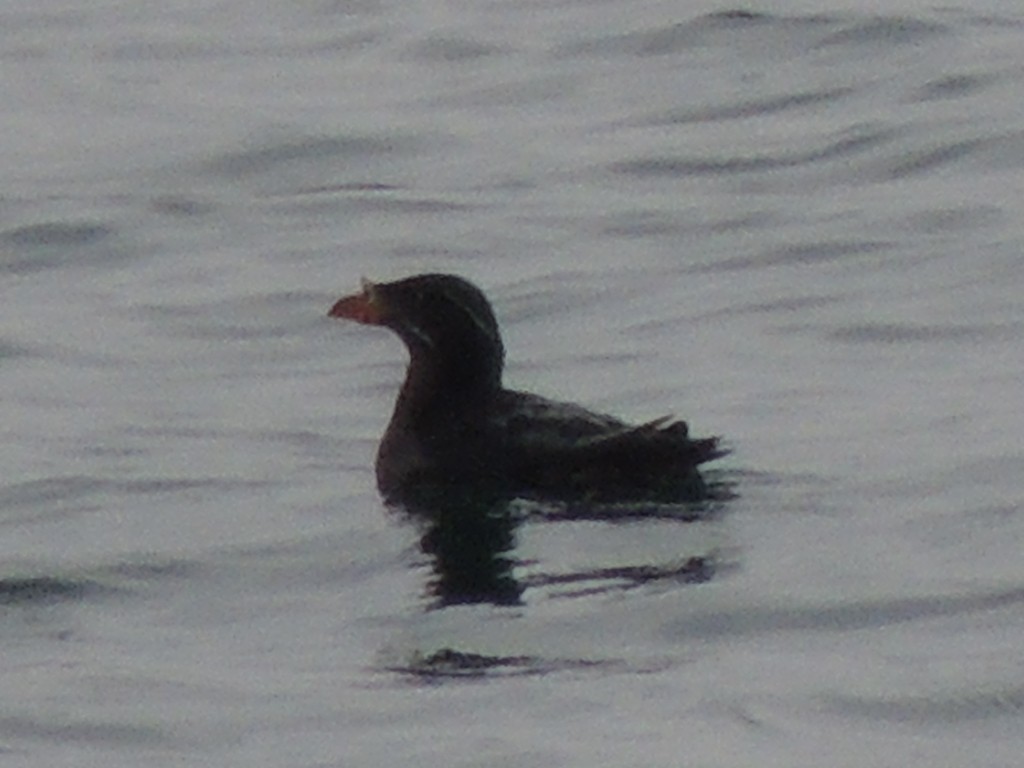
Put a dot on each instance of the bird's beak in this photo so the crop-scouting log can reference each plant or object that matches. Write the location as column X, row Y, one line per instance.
column 365, row 307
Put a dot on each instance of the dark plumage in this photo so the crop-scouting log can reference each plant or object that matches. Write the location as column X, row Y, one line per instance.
column 455, row 425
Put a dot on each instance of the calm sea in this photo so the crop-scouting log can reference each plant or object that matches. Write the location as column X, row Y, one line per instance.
column 795, row 225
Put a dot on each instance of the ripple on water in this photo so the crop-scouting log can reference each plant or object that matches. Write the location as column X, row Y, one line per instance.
column 36, row 590
column 888, row 31
column 842, row 147
column 907, row 333
column 66, row 492
column 738, row 28
column 266, row 157
column 797, row 254
column 954, row 86
column 454, row 49
column 747, row 108
column 64, row 729
column 997, row 152
column 836, row 617
column 941, row 707
column 55, row 244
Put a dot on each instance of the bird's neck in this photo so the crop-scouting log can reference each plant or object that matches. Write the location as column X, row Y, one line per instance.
column 448, row 386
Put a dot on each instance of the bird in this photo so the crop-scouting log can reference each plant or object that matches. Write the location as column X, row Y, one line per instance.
column 455, row 425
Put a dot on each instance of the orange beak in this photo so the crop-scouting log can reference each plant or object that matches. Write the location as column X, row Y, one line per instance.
column 362, row 307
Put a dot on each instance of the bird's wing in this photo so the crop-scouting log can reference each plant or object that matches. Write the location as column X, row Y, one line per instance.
column 551, row 443
column 534, row 423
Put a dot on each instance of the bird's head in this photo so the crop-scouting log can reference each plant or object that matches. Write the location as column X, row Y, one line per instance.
column 443, row 319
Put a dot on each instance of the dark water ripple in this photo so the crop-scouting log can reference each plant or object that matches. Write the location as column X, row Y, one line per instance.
column 748, row 108
column 927, row 160
column 840, row 148
column 964, row 218
column 954, row 86
column 990, row 152
column 84, row 732
column 454, row 50
column 68, row 495
column 947, row 708
column 383, row 201
column 55, row 244
column 12, row 350
column 57, row 234
column 450, row 663
column 46, row 492
column 903, row 333
column 802, row 254
column 726, row 28
column 633, row 224
column 749, row 30
column 36, row 590
column 887, row 31
column 265, row 158
column 843, row 617
column 181, row 205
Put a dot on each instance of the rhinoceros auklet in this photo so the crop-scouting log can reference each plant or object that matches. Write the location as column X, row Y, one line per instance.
column 454, row 423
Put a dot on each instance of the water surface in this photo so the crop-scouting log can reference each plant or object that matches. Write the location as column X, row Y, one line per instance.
column 794, row 226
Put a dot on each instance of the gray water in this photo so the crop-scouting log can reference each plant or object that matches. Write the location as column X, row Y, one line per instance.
column 798, row 226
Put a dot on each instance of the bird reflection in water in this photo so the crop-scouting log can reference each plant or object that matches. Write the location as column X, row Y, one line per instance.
column 469, row 534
